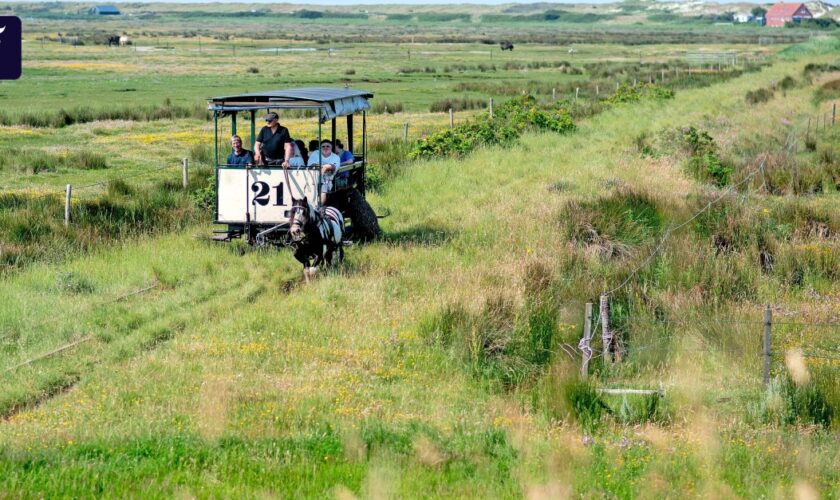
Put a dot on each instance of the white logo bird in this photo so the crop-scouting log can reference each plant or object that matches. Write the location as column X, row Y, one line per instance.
column 2, row 30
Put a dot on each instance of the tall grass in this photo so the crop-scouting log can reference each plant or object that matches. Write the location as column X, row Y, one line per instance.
column 87, row 114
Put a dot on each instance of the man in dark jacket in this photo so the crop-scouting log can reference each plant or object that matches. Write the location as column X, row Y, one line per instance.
column 239, row 157
column 273, row 144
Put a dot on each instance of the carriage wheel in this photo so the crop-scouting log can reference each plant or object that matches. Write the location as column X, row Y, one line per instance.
column 365, row 223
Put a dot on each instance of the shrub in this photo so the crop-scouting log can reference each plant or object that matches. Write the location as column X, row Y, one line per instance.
column 458, row 141
column 758, row 96
column 523, row 113
column 708, row 167
column 627, row 93
column 253, row 70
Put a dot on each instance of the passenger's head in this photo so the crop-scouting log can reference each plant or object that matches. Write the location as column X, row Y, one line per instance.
column 338, row 145
column 271, row 118
column 313, row 145
column 326, row 147
column 236, row 142
column 301, row 146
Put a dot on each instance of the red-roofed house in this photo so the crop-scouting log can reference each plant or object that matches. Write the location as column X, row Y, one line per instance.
column 782, row 13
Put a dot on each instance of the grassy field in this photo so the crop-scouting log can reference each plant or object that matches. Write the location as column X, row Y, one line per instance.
column 433, row 362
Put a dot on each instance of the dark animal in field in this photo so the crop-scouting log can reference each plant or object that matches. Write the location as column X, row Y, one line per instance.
column 315, row 238
column 506, row 45
column 113, row 40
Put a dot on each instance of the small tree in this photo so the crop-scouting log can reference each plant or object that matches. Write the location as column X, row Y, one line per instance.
column 758, row 11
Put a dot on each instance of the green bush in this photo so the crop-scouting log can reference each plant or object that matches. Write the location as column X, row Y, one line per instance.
column 758, row 96
column 459, row 141
column 703, row 162
column 709, row 168
column 627, row 93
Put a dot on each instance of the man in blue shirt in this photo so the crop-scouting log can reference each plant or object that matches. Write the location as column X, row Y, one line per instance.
column 239, row 157
column 347, row 157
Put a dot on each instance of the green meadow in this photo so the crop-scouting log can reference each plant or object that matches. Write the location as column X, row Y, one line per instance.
column 139, row 358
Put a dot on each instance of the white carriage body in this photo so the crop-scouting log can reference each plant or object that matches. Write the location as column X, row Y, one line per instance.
column 262, row 193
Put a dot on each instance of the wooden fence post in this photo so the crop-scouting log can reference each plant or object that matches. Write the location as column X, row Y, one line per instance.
column 491, row 107
column 577, row 92
column 634, row 83
column 768, row 327
column 67, row 195
column 405, row 131
column 662, row 73
column 833, row 113
column 606, row 334
column 451, row 118
column 597, row 90
column 553, row 93
column 185, row 172
column 585, row 344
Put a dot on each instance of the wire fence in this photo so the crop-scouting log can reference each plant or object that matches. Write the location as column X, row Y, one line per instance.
column 750, row 340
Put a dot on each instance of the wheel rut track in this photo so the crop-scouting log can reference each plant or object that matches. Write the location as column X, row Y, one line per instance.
column 174, row 320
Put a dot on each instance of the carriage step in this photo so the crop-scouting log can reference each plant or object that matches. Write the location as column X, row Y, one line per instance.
column 221, row 237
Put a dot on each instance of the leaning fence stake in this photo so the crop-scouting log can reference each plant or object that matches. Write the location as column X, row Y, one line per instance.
column 553, row 93
column 577, row 91
column 585, row 343
column 491, row 107
column 185, row 173
column 833, row 113
column 606, row 334
column 768, row 327
column 69, row 192
column 405, row 131
column 451, row 118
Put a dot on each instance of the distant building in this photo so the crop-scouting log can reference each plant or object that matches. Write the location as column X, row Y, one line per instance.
column 742, row 17
column 104, row 10
column 782, row 13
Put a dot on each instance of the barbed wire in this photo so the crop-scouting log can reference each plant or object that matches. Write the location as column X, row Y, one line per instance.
column 671, row 230
column 59, row 192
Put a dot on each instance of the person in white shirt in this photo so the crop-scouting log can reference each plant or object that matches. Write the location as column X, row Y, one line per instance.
column 329, row 163
column 297, row 159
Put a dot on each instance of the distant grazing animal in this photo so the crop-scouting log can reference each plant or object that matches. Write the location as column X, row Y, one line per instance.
column 113, row 40
column 572, row 51
column 315, row 238
column 124, row 41
column 506, row 45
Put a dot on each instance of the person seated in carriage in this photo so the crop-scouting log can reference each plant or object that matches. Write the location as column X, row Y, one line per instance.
column 329, row 163
column 239, row 156
column 297, row 156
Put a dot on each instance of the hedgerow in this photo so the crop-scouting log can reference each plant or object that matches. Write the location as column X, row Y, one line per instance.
column 628, row 93
column 514, row 118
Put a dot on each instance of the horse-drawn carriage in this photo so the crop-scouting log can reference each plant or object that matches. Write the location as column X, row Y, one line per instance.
column 256, row 201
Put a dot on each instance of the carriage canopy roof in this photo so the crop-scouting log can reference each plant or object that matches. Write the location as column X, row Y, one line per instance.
column 333, row 102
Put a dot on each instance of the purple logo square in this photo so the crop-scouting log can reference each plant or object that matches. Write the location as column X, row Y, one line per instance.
column 10, row 48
